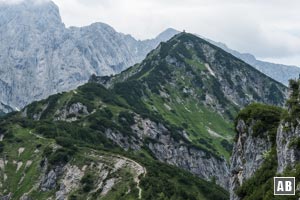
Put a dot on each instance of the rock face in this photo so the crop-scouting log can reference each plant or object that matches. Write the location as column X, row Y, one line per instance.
column 72, row 113
column 288, row 152
column 247, row 157
column 288, row 133
column 6, row 197
column 166, row 149
column 5, row 109
column 276, row 151
column 177, row 153
column 49, row 180
column 39, row 56
column 70, row 181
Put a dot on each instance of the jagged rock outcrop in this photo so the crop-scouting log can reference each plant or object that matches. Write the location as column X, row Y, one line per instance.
column 287, row 142
column 124, row 141
column 5, row 108
column 178, row 153
column 25, row 197
column 70, row 181
column 288, row 133
column 247, row 157
column 160, row 140
column 39, row 56
column 72, row 113
column 49, row 180
column 267, row 145
column 196, row 161
column 6, row 197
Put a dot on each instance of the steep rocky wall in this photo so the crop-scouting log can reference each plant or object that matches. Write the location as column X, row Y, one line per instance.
column 40, row 56
column 288, row 152
column 165, row 148
column 278, row 150
column 247, row 157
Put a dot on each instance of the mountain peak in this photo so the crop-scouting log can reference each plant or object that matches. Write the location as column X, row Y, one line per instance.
column 40, row 13
column 99, row 26
column 167, row 34
column 188, row 79
column 200, row 64
column 30, row 4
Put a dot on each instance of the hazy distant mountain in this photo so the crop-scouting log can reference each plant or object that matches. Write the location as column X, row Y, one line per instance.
column 279, row 72
column 39, row 56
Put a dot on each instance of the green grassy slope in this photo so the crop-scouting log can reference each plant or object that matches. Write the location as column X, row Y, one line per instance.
column 179, row 82
column 24, row 145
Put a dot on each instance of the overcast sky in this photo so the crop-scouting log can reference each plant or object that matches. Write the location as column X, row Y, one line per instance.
column 269, row 29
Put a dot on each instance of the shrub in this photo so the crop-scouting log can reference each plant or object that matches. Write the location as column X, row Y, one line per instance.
column 1, row 147
column 107, row 113
column 61, row 156
column 46, row 129
column 51, row 103
column 126, row 118
column 266, row 118
column 47, row 151
column 226, row 145
column 88, row 182
column 66, row 143
column 293, row 103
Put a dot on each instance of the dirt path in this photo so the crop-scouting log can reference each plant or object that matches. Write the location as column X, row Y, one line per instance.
column 36, row 135
column 139, row 169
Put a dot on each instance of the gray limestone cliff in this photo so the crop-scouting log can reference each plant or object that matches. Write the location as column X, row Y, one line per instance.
column 39, row 56
column 267, row 145
column 162, row 144
column 247, row 157
column 250, row 154
column 288, row 152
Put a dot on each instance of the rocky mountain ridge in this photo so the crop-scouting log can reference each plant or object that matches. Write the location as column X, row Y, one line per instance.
column 279, row 72
column 39, row 56
column 233, row 74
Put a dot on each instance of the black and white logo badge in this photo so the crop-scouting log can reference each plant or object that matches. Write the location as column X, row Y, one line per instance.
column 284, row 185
